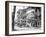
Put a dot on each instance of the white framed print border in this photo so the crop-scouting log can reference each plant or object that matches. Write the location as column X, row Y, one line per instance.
column 24, row 18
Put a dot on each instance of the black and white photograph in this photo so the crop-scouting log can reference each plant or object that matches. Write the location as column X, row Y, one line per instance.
column 26, row 18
